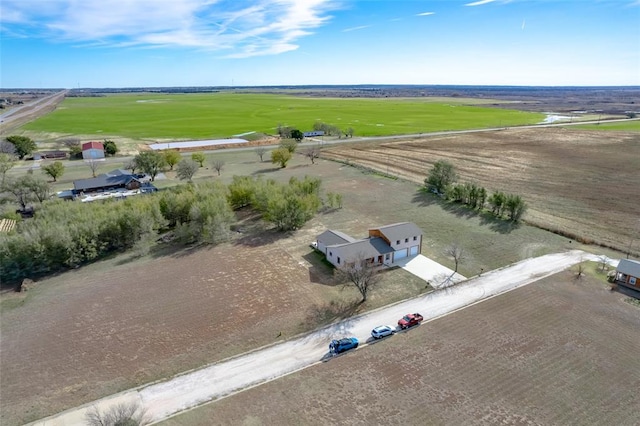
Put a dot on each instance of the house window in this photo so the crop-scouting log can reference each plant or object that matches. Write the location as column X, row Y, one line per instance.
column 632, row 280
column 386, row 256
column 406, row 240
column 415, row 238
column 331, row 254
column 398, row 242
column 338, row 259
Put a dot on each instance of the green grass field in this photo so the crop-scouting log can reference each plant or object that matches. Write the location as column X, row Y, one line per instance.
column 198, row 116
column 626, row 126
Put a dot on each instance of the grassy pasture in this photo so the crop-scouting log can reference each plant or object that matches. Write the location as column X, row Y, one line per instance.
column 198, row 116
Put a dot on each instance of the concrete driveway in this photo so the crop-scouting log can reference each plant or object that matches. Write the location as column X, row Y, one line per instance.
column 432, row 272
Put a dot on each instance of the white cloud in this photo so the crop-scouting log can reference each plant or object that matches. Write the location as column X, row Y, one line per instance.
column 237, row 29
column 479, row 3
column 426, row 14
column 361, row 27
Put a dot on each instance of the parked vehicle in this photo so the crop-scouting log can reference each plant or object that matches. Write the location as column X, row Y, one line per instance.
column 410, row 320
column 342, row 345
column 382, row 331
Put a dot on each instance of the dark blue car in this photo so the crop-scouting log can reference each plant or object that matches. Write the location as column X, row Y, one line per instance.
column 339, row 346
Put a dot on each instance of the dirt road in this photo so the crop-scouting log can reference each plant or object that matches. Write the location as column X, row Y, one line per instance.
column 164, row 399
column 18, row 116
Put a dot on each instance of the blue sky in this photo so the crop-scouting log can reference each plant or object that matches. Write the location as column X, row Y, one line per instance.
column 126, row 43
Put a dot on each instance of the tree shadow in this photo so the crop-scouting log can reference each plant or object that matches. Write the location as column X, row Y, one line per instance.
column 496, row 224
column 264, row 171
column 424, row 198
column 320, row 271
column 329, row 312
column 263, row 238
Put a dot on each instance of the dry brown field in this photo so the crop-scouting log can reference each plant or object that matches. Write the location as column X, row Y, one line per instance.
column 124, row 322
column 559, row 351
column 582, row 183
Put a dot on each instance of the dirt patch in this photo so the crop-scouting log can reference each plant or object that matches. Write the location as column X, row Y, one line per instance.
column 114, row 325
column 119, row 323
column 576, row 182
column 558, row 351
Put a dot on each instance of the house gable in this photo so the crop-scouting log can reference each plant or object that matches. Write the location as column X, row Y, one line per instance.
column 396, row 232
column 92, row 145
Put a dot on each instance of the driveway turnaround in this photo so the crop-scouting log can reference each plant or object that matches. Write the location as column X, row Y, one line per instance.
column 437, row 275
column 164, row 399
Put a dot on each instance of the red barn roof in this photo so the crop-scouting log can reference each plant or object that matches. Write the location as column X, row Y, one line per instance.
column 92, row 145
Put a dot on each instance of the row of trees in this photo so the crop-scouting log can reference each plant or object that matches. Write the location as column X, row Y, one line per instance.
column 331, row 130
column 287, row 132
column 153, row 162
column 67, row 234
column 442, row 180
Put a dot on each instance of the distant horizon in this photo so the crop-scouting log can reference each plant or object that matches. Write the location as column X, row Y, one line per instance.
column 358, row 85
column 264, row 43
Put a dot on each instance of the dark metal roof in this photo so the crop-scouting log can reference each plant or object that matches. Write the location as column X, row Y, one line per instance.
column 330, row 238
column 103, row 181
column 367, row 248
column 399, row 231
column 629, row 267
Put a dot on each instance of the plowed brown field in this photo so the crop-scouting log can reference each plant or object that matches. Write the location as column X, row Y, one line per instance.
column 556, row 352
column 583, row 183
column 112, row 326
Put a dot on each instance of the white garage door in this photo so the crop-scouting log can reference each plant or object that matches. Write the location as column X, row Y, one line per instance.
column 400, row 254
column 414, row 250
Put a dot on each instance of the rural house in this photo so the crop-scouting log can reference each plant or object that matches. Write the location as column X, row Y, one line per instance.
column 384, row 246
column 115, row 179
column 116, row 183
column 93, row 151
column 628, row 273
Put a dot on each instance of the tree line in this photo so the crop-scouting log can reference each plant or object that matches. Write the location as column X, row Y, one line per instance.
column 67, row 234
column 442, row 180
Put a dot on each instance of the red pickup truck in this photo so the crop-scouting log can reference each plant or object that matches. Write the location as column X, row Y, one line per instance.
column 410, row 320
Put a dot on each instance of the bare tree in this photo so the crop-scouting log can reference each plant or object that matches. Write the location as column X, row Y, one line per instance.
column 7, row 148
column 604, row 261
column 260, row 151
column 7, row 161
column 456, row 253
column 218, row 165
column 186, row 169
column 71, row 142
column 129, row 414
column 131, row 165
column 75, row 147
column 312, row 153
column 93, row 166
column 362, row 273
